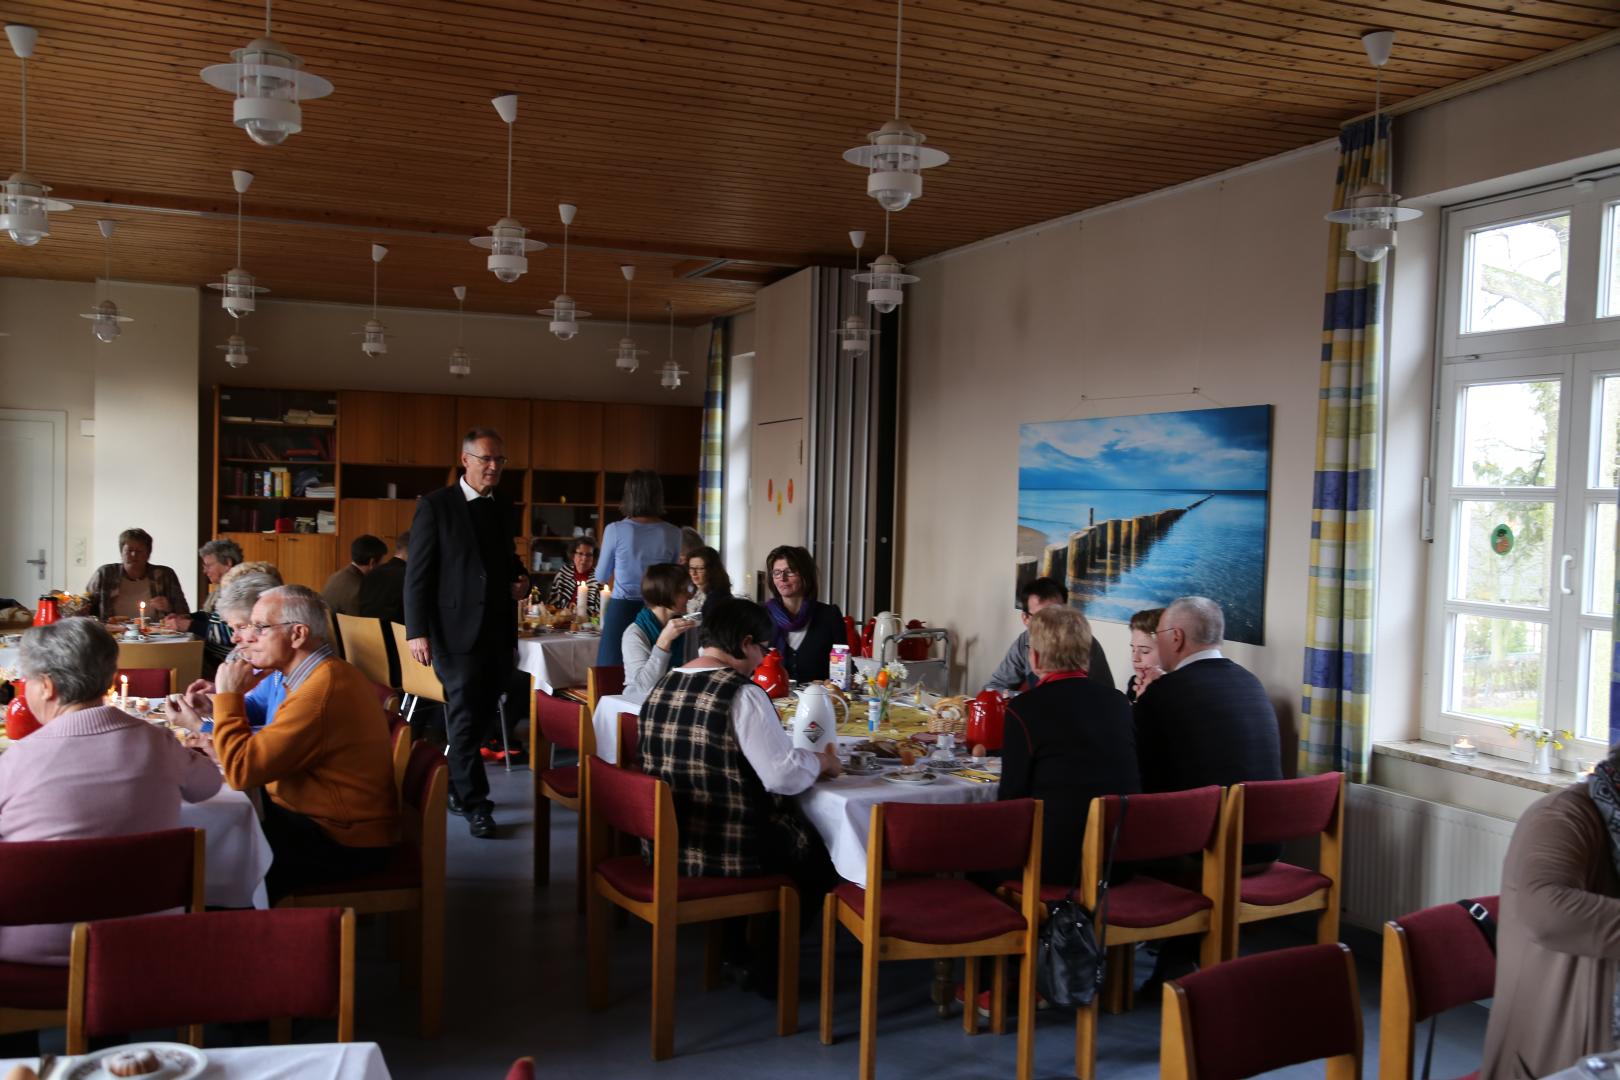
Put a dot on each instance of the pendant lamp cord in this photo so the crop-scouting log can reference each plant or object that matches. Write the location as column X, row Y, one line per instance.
column 565, row 258
column 107, row 273
column 238, row 228
column 373, row 289
column 899, row 22
column 669, row 306
column 24, row 115
column 886, row 216
column 267, row 18
column 627, row 284
column 508, row 170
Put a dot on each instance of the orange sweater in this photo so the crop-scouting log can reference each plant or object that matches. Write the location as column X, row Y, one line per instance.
column 326, row 756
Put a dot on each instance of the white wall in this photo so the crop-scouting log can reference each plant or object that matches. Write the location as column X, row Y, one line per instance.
column 780, row 400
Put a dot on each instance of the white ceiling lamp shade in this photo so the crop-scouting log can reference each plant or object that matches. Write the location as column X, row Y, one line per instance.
column 269, row 81
column 1373, row 211
column 374, row 338
column 105, row 320
column 507, row 241
column 854, row 336
column 460, row 359
column 237, row 350
column 238, row 288
column 564, row 313
column 669, row 376
column 628, row 357
column 24, row 207
column 884, row 280
column 894, row 156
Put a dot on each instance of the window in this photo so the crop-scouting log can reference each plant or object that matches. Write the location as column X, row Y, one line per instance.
column 1522, row 587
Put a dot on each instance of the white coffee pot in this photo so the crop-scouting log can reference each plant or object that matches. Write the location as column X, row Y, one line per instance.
column 886, row 624
column 815, row 722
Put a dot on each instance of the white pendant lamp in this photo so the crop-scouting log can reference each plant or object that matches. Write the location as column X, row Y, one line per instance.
column 238, row 289
column 105, row 320
column 508, row 249
column 628, row 358
column 669, row 376
column 565, row 315
column 24, row 208
column 884, row 280
column 854, row 336
column 374, row 338
column 269, row 81
column 1373, row 211
column 236, row 350
column 460, row 360
column 895, row 156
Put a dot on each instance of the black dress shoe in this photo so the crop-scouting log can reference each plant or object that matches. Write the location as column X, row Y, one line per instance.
column 481, row 823
column 456, row 807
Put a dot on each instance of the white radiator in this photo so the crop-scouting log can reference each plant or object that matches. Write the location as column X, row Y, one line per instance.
column 1403, row 853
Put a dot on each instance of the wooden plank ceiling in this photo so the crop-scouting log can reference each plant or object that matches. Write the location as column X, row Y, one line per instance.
column 687, row 131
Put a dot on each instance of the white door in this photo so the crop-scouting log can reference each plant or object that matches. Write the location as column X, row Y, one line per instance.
column 33, row 478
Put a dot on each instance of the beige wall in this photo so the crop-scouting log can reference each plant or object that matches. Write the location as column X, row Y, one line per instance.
column 779, row 402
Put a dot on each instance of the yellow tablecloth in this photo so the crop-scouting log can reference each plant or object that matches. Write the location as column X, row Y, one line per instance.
column 902, row 719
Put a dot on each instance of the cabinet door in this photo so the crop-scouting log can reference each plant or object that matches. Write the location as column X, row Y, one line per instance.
column 368, row 427
column 567, row 436
column 630, row 437
column 256, row 546
column 509, row 416
column 427, row 429
column 404, row 514
column 357, row 517
column 680, row 435
column 307, row 558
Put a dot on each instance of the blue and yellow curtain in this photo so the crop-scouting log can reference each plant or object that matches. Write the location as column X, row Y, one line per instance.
column 1335, row 731
column 712, row 455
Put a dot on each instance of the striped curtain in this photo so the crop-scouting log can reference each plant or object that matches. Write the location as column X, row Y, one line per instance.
column 1334, row 729
column 712, row 455
column 1614, row 649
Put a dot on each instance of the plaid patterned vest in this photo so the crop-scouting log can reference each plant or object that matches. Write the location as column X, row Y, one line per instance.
column 729, row 825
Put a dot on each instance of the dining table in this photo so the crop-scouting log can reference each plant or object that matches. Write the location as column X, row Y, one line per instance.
column 557, row 660
column 237, row 855
column 186, row 668
column 312, row 1061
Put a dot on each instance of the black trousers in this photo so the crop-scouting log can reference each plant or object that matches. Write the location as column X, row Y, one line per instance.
column 304, row 855
column 473, row 684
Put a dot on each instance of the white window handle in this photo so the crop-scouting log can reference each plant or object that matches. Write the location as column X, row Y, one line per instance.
column 1563, row 574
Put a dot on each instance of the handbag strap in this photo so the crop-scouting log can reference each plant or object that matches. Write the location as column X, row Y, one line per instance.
column 1100, row 916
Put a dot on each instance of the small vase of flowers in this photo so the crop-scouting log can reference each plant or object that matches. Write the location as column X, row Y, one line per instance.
column 881, row 687
column 1545, row 740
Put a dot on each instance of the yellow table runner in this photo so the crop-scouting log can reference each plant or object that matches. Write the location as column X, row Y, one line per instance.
column 903, row 719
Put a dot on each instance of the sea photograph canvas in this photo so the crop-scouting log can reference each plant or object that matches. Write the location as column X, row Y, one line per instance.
column 1131, row 512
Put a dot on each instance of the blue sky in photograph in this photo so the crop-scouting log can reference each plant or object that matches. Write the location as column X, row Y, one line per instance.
column 1201, row 450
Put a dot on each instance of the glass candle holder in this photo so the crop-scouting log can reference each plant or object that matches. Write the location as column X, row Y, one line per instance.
column 1463, row 748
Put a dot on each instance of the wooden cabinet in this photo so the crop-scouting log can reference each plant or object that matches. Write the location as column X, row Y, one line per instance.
column 369, row 432
column 680, row 439
column 509, row 416
column 630, row 437
column 396, row 429
column 567, row 436
column 307, row 558
column 382, row 518
column 256, row 547
column 427, row 429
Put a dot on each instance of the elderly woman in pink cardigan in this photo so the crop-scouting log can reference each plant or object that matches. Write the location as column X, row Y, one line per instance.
column 91, row 770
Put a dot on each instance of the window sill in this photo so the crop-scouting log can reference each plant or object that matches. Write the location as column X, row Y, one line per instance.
column 1502, row 770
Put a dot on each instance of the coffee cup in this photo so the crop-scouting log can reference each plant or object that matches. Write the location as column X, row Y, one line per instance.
column 862, row 760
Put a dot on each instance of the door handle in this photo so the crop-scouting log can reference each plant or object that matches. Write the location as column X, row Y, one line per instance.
column 39, row 562
column 1563, row 574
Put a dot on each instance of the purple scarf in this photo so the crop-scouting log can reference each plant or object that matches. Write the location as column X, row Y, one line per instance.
column 786, row 624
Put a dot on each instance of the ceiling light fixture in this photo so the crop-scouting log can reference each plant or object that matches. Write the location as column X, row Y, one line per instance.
column 629, row 357
column 1373, row 211
column 669, row 376
column 854, row 336
column 508, row 249
column 564, row 314
column 238, row 288
column 236, row 350
column 374, row 338
column 460, row 361
column 884, row 280
column 105, row 320
column 269, row 82
column 895, row 156
column 24, row 209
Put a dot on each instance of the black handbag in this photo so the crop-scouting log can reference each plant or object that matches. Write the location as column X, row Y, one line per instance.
column 1070, row 956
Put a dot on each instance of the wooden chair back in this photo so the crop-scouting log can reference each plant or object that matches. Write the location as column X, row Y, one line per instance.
column 148, row 682
column 417, row 679
column 185, row 657
column 365, row 647
column 1434, row 960
column 602, row 681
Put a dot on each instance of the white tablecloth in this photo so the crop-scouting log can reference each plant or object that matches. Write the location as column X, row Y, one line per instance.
column 11, row 655
column 238, row 854
column 318, row 1061
column 558, row 661
column 606, row 722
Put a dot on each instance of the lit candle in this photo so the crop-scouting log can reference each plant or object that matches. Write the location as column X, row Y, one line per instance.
column 582, row 599
column 123, row 691
column 143, row 615
column 1463, row 747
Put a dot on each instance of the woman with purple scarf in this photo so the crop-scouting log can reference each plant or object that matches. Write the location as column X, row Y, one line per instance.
column 804, row 628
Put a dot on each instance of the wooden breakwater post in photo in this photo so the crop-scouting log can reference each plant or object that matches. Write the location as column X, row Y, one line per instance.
column 1107, row 547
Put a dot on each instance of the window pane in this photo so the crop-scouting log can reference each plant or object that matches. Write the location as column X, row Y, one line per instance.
column 1510, row 434
column 1610, row 304
column 1601, row 560
column 1599, row 662
column 1517, row 275
column 1608, row 440
column 1497, row 668
column 1501, row 569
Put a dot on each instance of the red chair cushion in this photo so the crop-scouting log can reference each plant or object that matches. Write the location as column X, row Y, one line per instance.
column 33, row 986
column 1282, row 883
column 1164, row 824
column 634, row 878
column 1146, row 901
column 933, row 838
column 564, row 781
column 147, row 682
column 558, row 719
column 1451, row 962
column 100, row 877
column 1278, row 810
column 936, row 911
column 627, row 800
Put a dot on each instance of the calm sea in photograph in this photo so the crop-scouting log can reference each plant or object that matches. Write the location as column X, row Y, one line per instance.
column 1216, row 549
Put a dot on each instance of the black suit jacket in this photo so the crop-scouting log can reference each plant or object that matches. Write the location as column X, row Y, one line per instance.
column 1209, row 722
column 446, row 581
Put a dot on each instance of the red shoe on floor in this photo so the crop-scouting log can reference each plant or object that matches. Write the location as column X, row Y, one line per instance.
column 984, row 1002
column 491, row 755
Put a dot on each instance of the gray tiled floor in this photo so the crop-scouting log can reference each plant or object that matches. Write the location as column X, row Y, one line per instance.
column 515, row 985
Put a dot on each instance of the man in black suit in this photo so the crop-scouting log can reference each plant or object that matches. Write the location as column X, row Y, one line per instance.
column 382, row 592
column 462, row 581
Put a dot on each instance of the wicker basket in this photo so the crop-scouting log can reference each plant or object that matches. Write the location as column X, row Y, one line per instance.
column 951, row 720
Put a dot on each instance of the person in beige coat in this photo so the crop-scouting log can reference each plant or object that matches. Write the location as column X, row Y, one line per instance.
column 1558, row 933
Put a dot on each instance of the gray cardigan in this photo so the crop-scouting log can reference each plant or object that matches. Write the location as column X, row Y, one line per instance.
column 1013, row 672
column 644, row 663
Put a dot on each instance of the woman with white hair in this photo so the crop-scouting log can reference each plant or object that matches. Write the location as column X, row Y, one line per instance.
column 236, row 598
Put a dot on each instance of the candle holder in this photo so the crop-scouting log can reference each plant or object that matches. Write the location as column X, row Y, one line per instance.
column 1463, row 748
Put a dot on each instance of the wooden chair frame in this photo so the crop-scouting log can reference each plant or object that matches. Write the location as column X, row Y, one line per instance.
column 79, row 983
column 876, row 947
column 1178, row 1057
column 1325, row 900
column 402, row 755
column 184, row 658
column 544, row 795
column 423, row 906
column 174, row 677
column 365, row 647
column 665, row 913
column 1397, row 1006
column 417, row 680
column 15, row 1020
column 1118, row 992
column 618, row 736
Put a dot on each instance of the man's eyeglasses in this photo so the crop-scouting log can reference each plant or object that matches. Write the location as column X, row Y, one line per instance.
column 1164, row 630
column 261, row 627
column 490, row 459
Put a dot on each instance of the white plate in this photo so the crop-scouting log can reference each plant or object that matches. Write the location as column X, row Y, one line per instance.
column 179, row 1061
column 913, row 778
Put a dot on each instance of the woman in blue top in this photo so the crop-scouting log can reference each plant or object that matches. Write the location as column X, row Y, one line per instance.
column 629, row 546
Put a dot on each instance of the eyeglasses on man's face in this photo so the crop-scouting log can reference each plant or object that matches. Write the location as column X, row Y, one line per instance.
column 260, row 627
column 1167, row 630
column 489, row 459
